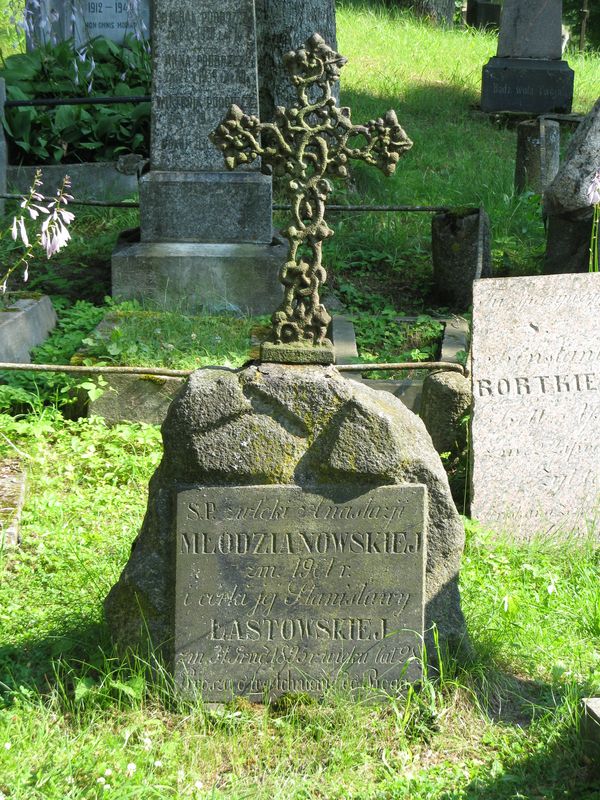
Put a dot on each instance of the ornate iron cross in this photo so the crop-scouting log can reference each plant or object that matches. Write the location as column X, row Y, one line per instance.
column 306, row 143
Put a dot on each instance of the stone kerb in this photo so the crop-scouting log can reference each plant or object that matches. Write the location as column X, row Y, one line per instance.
column 23, row 325
column 299, row 426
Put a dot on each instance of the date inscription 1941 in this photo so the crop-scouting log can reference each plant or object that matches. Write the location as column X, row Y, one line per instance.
column 280, row 590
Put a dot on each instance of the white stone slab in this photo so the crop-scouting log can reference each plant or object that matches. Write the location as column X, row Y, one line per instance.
column 536, row 404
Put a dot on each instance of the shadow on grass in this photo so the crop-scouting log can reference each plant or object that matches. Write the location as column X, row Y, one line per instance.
column 547, row 762
column 32, row 665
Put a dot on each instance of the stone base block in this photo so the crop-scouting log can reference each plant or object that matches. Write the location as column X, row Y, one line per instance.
column 536, row 86
column 200, row 278
column 206, row 207
column 135, row 398
column 297, row 353
column 23, row 325
column 590, row 732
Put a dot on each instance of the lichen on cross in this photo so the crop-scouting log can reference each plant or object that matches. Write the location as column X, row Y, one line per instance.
column 306, row 143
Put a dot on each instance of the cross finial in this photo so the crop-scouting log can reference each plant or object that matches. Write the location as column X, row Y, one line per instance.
column 307, row 144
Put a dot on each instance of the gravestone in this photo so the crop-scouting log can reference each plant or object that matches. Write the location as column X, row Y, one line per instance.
column 56, row 20
column 483, row 14
column 567, row 204
column 274, row 458
column 288, row 523
column 536, row 405
column 281, row 589
column 528, row 73
column 206, row 240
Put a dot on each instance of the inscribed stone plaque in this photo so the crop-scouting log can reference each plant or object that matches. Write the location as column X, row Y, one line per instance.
column 536, row 404
column 281, row 590
column 56, row 20
column 111, row 18
column 204, row 59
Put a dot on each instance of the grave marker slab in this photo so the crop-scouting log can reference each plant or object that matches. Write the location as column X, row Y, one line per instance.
column 57, row 20
column 528, row 74
column 536, row 404
column 279, row 589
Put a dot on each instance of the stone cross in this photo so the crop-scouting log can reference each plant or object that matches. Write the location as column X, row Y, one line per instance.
column 307, row 144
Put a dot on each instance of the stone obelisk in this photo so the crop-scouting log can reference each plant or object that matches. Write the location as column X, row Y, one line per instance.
column 206, row 240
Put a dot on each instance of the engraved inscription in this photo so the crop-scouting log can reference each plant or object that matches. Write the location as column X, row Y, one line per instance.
column 536, row 396
column 203, row 61
column 111, row 18
column 278, row 589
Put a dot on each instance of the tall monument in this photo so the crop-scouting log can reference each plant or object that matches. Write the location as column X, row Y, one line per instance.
column 528, row 73
column 206, row 240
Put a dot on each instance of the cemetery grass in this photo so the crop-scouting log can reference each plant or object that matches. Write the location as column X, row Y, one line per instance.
column 78, row 722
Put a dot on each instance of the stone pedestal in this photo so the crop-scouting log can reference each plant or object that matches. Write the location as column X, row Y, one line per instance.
column 196, row 277
column 206, row 240
column 527, row 73
column 533, row 85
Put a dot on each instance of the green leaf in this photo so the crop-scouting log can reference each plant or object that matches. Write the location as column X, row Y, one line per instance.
column 83, row 688
column 133, row 688
column 65, row 116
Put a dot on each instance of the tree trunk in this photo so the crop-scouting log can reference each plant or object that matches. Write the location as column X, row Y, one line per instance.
column 283, row 25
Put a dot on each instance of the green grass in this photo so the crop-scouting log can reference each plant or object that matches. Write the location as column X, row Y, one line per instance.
column 504, row 726
column 74, row 719
column 144, row 338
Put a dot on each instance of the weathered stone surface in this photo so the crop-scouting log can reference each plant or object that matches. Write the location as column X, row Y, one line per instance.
column 568, row 190
column 297, row 352
column 195, row 277
column 590, row 732
column 114, row 20
column 206, row 207
column 531, row 29
column 538, row 154
column 57, row 20
column 204, row 60
column 135, row 398
column 536, row 405
column 301, row 426
column 206, row 236
column 99, row 181
column 566, row 203
column 536, row 86
column 445, row 401
column 461, row 253
column 282, row 589
column 23, row 325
